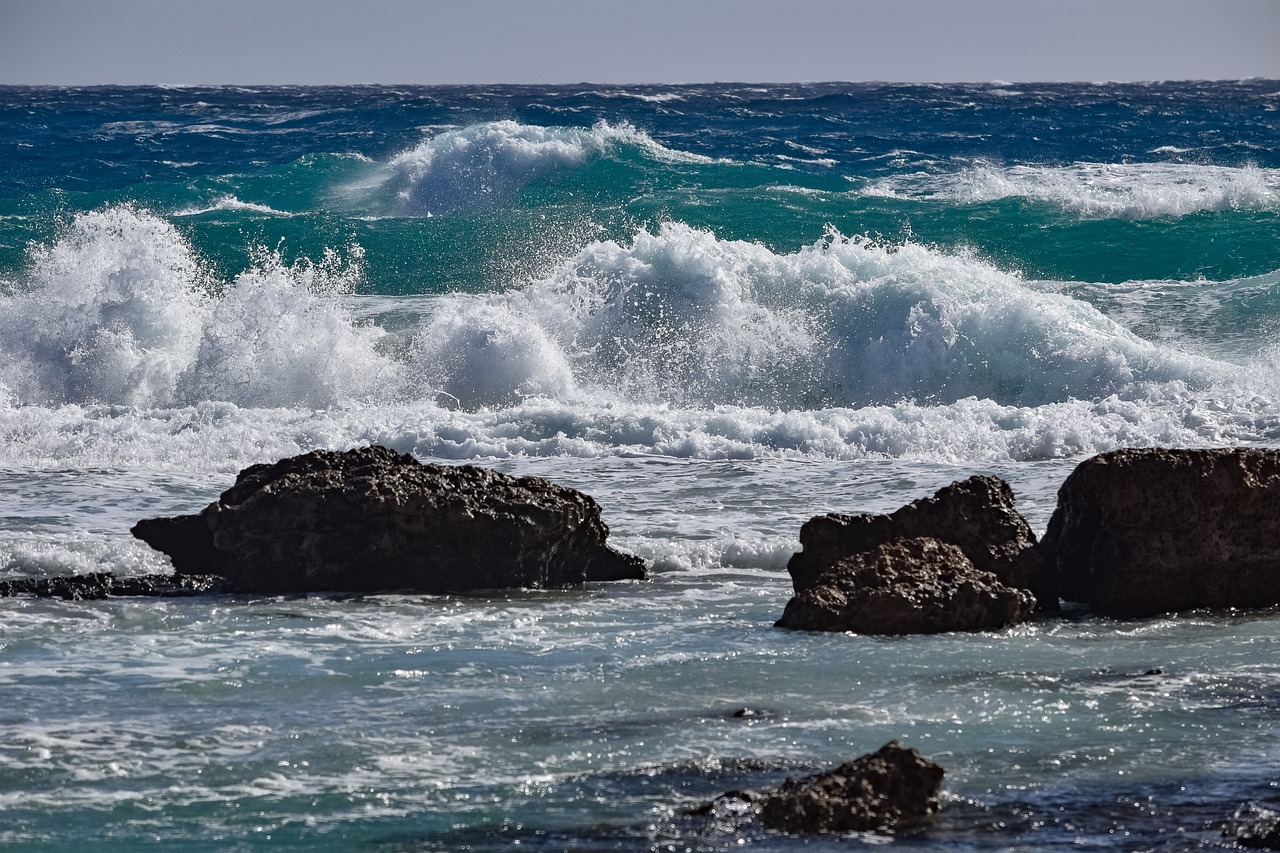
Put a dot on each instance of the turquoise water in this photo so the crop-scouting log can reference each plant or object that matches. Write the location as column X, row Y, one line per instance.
column 717, row 309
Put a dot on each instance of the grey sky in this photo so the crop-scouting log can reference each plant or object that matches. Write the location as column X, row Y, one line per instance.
column 555, row 41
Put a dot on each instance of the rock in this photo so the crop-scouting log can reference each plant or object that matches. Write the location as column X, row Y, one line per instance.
column 1142, row 532
column 977, row 515
column 99, row 585
column 728, row 806
column 1254, row 826
column 373, row 520
column 892, row 788
column 907, row 586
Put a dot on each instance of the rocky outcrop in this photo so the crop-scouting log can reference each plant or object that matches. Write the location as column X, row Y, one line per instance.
column 889, row 789
column 103, row 584
column 1142, row 532
column 976, row 515
column 1254, row 827
column 907, row 586
column 892, row 788
column 373, row 520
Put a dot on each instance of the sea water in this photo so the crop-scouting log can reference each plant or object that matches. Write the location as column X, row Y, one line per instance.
column 719, row 310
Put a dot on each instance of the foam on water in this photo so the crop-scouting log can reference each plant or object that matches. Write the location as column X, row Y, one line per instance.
column 121, row 347
column 230, row 202
column 119, row 310
column 483, row 167
column 684, row 318
column 1101, row 190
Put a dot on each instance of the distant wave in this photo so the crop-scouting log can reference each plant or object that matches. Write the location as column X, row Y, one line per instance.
column 1099, row 190
column 483, row 167
column 230, row 202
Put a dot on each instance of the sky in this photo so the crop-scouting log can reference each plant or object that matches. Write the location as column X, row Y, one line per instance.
column 184, row 42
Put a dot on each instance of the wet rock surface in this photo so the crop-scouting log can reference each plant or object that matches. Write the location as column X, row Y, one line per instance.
column 888, row 789
column 1143, row 532
column 907, row 586
column 373, row 520
column 976, row 515
column 99, row 585
column 1254, row 827
column 892, row 788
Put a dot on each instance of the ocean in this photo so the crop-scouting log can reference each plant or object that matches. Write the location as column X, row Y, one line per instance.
column 719, row 310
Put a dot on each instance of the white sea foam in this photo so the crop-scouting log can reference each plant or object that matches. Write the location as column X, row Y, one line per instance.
column 121, row 349
column 230, row 202
column 685, row 318
column 118, row 310
column 483, row 166
column 1101, row 190
column 113, row 311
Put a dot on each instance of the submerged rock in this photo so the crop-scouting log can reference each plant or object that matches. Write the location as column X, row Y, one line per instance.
column 976, row 515
column 1255, row 827
column 1142, row 532
column 98, row 585
column 907, row 586
column 373, row 520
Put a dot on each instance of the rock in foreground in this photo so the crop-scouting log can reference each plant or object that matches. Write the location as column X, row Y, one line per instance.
column 1142, row 532
column 976, row 515
column 892, row 788
column 1255, row 827
column 373, row 520
column 907, row 586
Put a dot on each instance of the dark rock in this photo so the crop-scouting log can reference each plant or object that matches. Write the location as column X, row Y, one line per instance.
column 907, row 586
column 977, row 515
column 731, row 804
column 373, row 520
column 99, row 585
column 1142, row 532
column 892, row 788
column 1255, row 827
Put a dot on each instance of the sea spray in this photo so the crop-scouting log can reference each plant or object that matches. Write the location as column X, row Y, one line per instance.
column 1100, row 190
column 120, row 310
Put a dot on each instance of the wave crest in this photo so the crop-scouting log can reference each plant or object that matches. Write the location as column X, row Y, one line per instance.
column 684, row 318
column 119, row 310
column 483, row 167
column 1101, row 190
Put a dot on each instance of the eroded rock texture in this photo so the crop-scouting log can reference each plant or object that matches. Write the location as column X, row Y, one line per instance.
column 1141, row 532
column 372, row 520
column 891, row 788
column 907, row 586
column 977, row 515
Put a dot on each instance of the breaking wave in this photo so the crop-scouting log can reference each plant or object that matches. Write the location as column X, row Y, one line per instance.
column 483, row 167
column 1101, row 190
column 119, row 340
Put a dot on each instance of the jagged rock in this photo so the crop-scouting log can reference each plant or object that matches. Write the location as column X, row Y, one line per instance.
column 103, row 584
column 907, row 586
column 371, row 519
column 1255, row 827
column 891, row 788
column 977, row 515
column 1142, row 532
